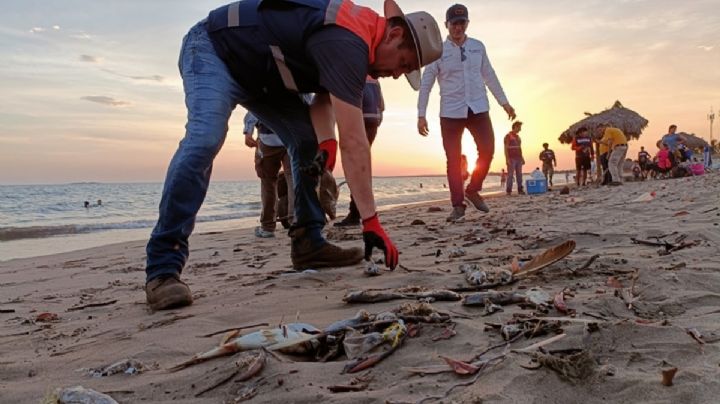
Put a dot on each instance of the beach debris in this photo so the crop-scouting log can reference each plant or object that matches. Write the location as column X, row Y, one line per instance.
column 238, row 328
column 361, row 317
column 485, row 278
column 667, row 376
column 434, row 209
column 565, row 190
column 447, row 333
column 456, row 252
column 98, row 304
column 613, row 282
column 546, row 258
column 417, row 222
column 696, row 335
column 358, row 383
column 560, row 304
column 247, row 367
column 81, row 395
column 460, row 367
column 491, row 308
column 409, row 292
column 294, row 338
column 46, row 318
column 7, row 310
column 538, row 297
column 127, row 366
column 587, row 264
column 358, row 344
column 573, row 367
column 394, row 334
column 371, row 268
column 500, row 298
column 645, row 197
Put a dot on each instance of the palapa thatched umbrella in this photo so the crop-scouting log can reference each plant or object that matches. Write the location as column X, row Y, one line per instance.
column 617, row 116
column 627, row 120
column 692, row 141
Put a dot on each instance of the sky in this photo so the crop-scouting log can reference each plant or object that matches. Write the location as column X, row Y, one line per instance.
column 91, row 89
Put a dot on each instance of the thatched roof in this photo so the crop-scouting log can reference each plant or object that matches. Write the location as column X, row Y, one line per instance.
column 627, row 120
column 692, row 141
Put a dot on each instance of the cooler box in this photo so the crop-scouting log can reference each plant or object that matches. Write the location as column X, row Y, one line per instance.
column 536, row 186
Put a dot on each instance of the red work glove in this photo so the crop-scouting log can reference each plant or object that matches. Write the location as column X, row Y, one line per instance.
column 374, row 236
column 329, row 149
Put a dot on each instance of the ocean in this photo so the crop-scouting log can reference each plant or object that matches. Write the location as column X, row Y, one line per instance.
column 39, row 220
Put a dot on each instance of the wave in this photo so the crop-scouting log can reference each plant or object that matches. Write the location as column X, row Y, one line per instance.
column 28, row 232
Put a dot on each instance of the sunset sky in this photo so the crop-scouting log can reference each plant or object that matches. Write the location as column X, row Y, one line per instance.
column 91, row 90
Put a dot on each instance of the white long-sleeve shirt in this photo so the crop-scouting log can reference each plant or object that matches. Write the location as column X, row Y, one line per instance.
column 265, row 135
column 462, row 83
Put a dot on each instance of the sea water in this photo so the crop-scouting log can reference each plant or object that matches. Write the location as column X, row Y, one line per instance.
column 48, row 219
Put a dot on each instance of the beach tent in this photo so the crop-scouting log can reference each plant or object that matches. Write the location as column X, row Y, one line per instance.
column 627, row 120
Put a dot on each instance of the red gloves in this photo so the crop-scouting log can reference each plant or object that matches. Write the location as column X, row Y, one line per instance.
column 374, row 236
column 328, row 148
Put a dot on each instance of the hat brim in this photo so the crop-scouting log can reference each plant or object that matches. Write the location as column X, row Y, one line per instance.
column 391, row 9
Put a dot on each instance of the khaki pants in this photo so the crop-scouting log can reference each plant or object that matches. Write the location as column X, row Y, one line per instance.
column 616, row 162
column 268, row 160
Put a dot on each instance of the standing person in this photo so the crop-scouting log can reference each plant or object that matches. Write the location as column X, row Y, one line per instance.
column 463, row 73
column 261, row 55
column 604, row 157
column 616, row 142
column 582, row 144
column 643, row 159
column 673, row 140
column 547, row 156
column 503, row 178
column 373, row 106
column 270, row 156
column 514, row 158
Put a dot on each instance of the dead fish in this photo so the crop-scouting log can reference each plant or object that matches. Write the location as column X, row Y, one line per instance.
column 368, row 296
column 328, row 194
column 465, row 268
column 501, row 298
column 438, row 294
column 284, row 339
column 362, row 316
column 371, row 268
column 456, row 252
column 476, row 278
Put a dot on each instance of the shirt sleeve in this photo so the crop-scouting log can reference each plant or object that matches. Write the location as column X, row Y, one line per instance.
column 426, row 84
column 491, row 79
column 341, row 59
column 250, row 121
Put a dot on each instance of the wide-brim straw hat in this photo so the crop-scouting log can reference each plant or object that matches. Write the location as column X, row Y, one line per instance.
column 425, row 33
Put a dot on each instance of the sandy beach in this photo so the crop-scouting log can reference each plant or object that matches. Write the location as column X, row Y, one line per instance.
column 649, row 308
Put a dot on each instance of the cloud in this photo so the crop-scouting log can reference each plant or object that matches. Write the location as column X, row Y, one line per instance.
column 154, row 77
column 81, row 35
column 90, row 59
column 109, row 101
column 56, row 27
column 36, row 29
column 706, row 48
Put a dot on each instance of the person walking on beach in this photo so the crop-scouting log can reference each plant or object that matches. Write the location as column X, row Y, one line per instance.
column 547, row 156
column 463, row 73
column 644, row 160
column 616, row 142
column 582, row 144
column 270, row 156
column 373, row 106
column 514, row 158
column 261, row 55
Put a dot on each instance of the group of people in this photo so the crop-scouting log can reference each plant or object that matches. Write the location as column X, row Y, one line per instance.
column 673, row 159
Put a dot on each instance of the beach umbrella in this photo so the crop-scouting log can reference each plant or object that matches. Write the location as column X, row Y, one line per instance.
column 693, row 141
column 627, row 120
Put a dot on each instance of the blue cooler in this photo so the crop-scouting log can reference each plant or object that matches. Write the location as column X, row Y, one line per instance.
column 536, row 186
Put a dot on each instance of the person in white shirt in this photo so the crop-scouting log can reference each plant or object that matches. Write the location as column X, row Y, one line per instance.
column 463, row 72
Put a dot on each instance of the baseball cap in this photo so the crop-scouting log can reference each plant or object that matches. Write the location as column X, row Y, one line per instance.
column 456, row 12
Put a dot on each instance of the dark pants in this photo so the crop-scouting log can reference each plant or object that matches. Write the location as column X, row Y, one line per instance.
column 605, row 163
column 268, row 160
column 480, row 128
column 211, row 94
column 371, row 128
column 514, row 169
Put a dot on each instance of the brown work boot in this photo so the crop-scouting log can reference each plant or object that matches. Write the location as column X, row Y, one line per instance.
column 304, row 255
column 167, row 292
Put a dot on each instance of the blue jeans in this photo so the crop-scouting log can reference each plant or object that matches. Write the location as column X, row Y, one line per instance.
column 211, row 94
column 481, row 129
column 514, row 168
